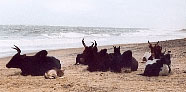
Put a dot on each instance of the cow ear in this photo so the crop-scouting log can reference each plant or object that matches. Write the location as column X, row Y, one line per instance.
column 119, row 47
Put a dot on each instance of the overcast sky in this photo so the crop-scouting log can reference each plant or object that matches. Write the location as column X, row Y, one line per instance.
column 97, row 13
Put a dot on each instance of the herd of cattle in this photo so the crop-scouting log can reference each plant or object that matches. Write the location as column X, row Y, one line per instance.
column 157, row 62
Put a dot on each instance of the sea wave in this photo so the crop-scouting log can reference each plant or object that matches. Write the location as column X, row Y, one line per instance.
column 61, row 35
column 35, row 38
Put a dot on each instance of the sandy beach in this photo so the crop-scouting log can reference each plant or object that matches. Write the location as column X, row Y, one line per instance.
column 78, row 79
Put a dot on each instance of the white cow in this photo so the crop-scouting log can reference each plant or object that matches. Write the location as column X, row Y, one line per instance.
column 158, row 67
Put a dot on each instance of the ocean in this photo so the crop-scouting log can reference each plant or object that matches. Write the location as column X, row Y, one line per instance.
column 36, row 38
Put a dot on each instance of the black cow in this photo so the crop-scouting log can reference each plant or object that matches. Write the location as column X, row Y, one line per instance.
column 33, row 65
column 80, row 59
column 126, row 60
column 158, row 67
column 96, row 61
column 115, row 57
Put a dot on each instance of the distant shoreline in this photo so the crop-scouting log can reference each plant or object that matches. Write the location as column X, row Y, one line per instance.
column 79, row 26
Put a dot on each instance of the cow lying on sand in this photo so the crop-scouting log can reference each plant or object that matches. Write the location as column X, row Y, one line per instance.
column 125, row 61
column 96, row 61
column 102, row 61
column 36, row 65
column 158, row 67
column 157, row 62
column 80, row 59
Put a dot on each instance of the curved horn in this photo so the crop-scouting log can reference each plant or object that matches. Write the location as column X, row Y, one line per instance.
column 92, row 44
column 83, row 43
column 95, row 43
column 149, row 42
column 16, row 48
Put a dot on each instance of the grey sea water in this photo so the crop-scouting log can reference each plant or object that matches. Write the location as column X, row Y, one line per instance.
column 36, row 38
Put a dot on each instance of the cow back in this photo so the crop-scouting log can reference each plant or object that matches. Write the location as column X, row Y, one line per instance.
column 38, row 66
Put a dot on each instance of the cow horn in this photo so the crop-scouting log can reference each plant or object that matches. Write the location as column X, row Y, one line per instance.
column 95, row 43
column 16, row 48
column 83, row 43
column 149, row 42
column 92, row 44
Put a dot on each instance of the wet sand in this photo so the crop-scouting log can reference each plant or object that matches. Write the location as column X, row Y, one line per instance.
column 78, row 79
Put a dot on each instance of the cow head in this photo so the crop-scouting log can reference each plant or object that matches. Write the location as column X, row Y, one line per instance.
column 90, row 52
column 89, row 49
column 15, row 62
column 155, row 49
column 117, row 50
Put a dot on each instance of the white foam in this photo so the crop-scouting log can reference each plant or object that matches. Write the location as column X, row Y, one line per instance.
column 71, row 38
column 101, row 35
column 64, row 35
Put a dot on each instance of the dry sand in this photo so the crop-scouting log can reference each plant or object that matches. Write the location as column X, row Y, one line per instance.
column 78, row 79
